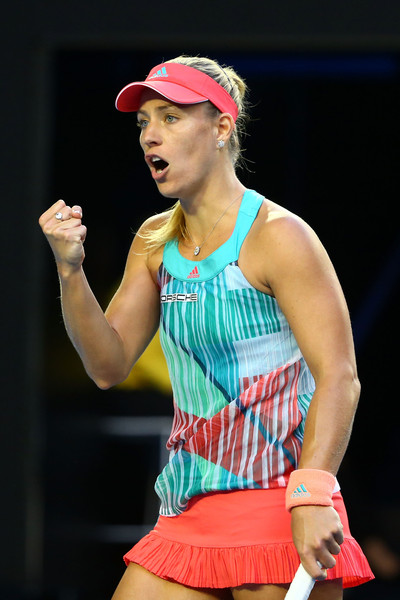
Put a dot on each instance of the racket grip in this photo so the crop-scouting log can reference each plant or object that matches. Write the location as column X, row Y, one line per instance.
column 301, row 586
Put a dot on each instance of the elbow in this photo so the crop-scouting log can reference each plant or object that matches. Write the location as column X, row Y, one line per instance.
column 108, row 371
column 351, row 392
column 106, row 381
column 357, row 386
column 342, row 382
column 357, row 391
column 350, row 374
column 351, row 386
column 103, row 384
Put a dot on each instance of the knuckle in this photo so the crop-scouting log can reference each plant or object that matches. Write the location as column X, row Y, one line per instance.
column 318, row 545
column 70, row 236
column 47, row 229
column 307, row 555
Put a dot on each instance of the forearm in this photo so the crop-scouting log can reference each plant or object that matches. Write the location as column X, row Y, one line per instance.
column 316, row 527
column 97, row 343
column 329, row 422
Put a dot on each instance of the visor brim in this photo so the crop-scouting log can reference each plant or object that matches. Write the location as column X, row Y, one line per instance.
column 129, row 98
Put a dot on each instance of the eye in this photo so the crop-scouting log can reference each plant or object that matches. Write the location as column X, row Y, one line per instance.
column 142, row 123
column 170, row 119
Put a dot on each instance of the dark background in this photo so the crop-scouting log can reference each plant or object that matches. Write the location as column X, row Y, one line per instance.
column 77, row 465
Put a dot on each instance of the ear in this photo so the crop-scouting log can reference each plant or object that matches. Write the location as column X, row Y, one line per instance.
column 225, row 126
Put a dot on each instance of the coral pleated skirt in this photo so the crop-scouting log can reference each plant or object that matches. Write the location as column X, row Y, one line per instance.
column 227, row 539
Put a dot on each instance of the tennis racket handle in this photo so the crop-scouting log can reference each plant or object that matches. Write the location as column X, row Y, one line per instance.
column 301, row 586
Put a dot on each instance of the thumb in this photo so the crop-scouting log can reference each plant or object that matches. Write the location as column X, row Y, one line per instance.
column 76, row 212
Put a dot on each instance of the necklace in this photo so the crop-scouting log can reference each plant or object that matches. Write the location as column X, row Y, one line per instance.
column 197, row 249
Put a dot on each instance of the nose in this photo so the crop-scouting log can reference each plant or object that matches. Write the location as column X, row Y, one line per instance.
column 151, row 135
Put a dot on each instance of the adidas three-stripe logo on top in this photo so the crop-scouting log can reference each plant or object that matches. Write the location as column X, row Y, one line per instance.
column 194, row 274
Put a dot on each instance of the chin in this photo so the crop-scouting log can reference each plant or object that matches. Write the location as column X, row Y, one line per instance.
column 168, row 194
column 168, row 191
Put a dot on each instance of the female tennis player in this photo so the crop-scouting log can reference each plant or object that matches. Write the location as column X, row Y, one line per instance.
column 257, row 337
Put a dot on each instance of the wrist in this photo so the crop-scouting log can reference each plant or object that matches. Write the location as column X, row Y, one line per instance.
column 310, row 487
column 67, row 271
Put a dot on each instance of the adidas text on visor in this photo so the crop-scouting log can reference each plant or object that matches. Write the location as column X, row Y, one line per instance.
column 180, row 84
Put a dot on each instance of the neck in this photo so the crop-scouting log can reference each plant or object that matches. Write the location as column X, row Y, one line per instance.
column 204, row 208
column 220, row 227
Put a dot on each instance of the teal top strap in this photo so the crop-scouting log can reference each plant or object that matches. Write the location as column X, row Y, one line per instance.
column 183, row 268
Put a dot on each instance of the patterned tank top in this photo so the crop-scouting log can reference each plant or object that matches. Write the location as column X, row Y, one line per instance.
column 240, row 383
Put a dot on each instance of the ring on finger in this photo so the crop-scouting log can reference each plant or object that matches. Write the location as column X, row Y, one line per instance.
column 59, row 216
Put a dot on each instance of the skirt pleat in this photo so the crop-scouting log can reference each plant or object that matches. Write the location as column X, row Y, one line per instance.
column 215, row 543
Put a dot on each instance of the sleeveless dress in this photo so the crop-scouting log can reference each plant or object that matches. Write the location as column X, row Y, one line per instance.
column 241, row 393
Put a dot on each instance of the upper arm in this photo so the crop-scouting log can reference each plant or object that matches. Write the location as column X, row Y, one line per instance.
column 307, row 289
column 134, row 310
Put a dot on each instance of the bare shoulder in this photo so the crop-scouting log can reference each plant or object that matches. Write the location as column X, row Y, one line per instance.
column 283, row 234
column 280, row 243
column 276, row 225
column 149, row 226
column 139, row 252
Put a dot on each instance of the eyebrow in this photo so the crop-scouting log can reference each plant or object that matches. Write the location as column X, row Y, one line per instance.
column 161, row 108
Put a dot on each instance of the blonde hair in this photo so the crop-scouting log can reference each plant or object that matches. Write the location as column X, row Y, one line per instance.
column 174, row 225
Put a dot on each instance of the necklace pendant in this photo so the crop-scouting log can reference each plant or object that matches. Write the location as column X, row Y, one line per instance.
column 196, row 251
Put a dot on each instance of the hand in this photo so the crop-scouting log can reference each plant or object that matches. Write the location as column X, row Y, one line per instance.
column 317, row 534
column 66, row 237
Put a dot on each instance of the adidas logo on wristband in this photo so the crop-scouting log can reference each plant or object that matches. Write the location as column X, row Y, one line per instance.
column 300, row 492
column 310, row 487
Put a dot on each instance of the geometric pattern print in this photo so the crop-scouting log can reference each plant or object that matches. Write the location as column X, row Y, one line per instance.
column 248, row 444
column 241, row 389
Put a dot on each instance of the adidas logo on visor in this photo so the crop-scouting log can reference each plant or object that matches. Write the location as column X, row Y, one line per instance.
column 160, row 73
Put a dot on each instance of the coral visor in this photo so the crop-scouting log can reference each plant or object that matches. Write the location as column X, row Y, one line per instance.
column 180, row 84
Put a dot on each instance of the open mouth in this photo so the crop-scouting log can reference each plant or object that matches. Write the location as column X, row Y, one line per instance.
column 159, row 164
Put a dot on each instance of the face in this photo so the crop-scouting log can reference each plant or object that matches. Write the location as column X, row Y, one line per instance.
column 179, row 143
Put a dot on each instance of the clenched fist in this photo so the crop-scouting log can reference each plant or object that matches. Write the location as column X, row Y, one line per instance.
column 317, row 534
column 62, row 226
